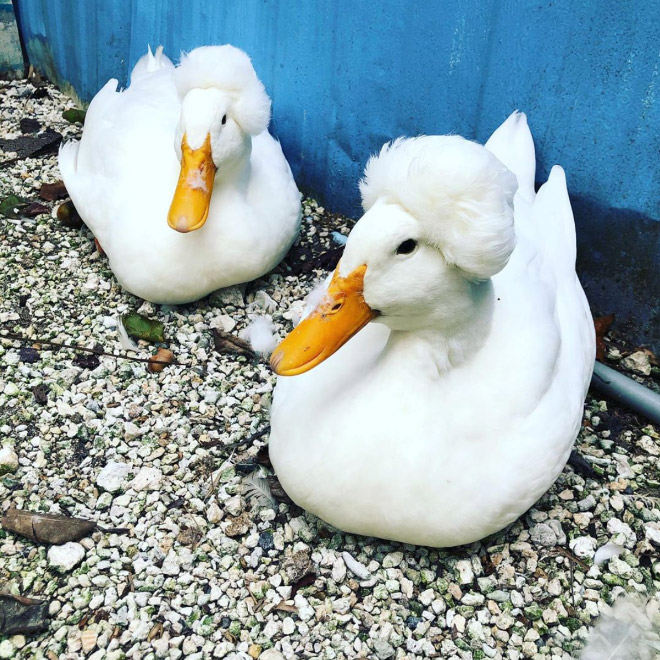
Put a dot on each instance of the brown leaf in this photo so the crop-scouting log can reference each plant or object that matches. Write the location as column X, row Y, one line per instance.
column 304, row 581
column 602, row 325
column 227, row 343
column 19, row 614
column 40, row 393
column 34, row 209
column 283, row 607
column 52, row 191
column 156, row 631
column 47, row 527
column 160, row 360
column 68, row 216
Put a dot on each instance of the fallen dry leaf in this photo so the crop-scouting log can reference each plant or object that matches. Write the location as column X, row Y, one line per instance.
column 52, row 191
column 33, row 209
column 19, row 614
column 160, row 360
column 602, row 325
column 40, row 393
column 227, row 343
column 49, row 527
column 283, row 607
column 156, row 631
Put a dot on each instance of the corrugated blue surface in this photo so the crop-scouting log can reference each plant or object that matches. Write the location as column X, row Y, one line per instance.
column 346, row 75
column 11, row 56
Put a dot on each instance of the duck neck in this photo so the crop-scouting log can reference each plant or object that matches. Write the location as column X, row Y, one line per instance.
column 235, row 170
column 447, row 343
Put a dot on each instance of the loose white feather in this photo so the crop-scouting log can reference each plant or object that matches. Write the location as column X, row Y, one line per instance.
column 261, row 335
column 624, row 633
column 606, row 552
column 126, row 342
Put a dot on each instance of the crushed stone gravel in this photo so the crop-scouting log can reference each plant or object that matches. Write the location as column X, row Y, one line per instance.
column 208, row 571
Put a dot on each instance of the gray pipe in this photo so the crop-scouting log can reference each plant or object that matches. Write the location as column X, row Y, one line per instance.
column 626, row 391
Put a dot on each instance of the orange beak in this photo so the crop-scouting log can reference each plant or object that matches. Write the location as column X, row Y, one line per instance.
column 342, row 313
column 192, row 197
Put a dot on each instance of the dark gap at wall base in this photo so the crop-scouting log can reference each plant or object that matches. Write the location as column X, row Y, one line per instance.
column 618, row 264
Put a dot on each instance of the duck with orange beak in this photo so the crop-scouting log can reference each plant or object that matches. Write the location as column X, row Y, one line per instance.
column 435, row 392
column 179, row 179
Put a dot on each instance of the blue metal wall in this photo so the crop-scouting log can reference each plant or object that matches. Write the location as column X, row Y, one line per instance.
column 347, row 75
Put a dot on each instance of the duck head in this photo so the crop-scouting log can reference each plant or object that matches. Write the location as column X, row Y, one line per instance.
column 223, row 105
column 438, row 225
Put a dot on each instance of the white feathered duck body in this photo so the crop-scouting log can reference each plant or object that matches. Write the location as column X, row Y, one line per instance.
column 179, row 180
column 436, row 390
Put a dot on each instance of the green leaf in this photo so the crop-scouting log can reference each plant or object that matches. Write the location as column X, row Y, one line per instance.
column 141, row 327
column 74, row 115
column 12, row 205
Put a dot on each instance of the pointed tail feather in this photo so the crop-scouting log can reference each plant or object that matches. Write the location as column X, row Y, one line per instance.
column 554, row 217
column 149, row 63
column 512, row 143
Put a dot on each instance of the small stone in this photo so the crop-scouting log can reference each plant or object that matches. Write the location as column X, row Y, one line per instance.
column 583, row 546
column 297, row 566
column 288, row 626
column 272, row 654
column 266, row 542
column 465, row 572
column 171, row 564
column 8, row 460
column 652, row 532
column 543, row 534
column 66, row 557
column 223, row 322
column 104, row 501
column 354, row 566
column 589, row 502
column 214, row 514
column 148, row 478
column 254, row 651
column 338, row 570
column 383, row 648
column 638, row 362
column 7, row 649
column 392, row 560
column 234, row 505
column 111, row 477
column 238, row 526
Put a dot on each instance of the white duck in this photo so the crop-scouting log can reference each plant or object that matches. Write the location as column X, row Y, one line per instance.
column 456, row 403
column 188, row 147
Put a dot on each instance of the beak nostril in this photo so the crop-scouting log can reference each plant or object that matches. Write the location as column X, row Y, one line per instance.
column 336, row 307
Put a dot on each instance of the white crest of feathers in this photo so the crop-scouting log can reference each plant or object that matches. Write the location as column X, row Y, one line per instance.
column 230, row 69
column 459, row 192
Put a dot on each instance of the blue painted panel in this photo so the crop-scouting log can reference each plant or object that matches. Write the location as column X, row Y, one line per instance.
column 347, row 75
column 11, row 56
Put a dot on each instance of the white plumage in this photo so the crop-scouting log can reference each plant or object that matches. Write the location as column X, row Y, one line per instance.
column 122, row 176
column 449, row 415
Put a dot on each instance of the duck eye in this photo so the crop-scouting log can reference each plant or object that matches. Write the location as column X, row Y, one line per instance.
column 407, row 246
column 224, row 119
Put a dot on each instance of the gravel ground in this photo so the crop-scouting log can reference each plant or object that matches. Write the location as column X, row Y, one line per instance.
column 206, row 569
